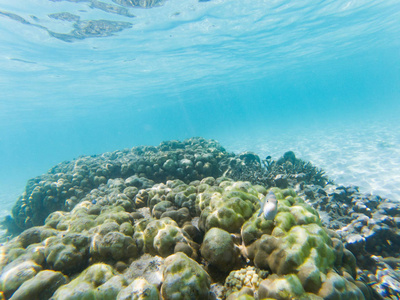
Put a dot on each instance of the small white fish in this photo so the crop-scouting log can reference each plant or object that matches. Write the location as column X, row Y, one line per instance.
column 269, row 208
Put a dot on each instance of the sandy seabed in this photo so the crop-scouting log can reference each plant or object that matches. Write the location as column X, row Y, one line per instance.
column 366, row 155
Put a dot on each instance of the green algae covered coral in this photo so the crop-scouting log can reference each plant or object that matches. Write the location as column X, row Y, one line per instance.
column 15, row 274
column 297, row 250
column 99, row 281
column 67, row 183
column 162, row 237
column 67, row 253
column 286, row 287
column 139, row 289
column 204, row 230
column 184, row 279
column 42, row 286
column 219, row 250
column 227, row 206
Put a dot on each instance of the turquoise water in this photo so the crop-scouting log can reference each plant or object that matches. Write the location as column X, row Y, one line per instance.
column 321, row 78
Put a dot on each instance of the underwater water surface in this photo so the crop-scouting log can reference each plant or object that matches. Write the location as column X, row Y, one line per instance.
column 321, row 78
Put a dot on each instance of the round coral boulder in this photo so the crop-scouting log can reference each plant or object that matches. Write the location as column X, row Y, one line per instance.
column 219, row 250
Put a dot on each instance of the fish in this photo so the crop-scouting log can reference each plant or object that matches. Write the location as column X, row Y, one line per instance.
column 269, row 208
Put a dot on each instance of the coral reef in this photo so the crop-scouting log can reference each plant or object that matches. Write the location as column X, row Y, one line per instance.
column 139, row 289
column 286, row 171
column 167, row 222
column 246, row 279
column 218, row 249
column 69, row 182
column 42, row 286
column 99, row 281
column 369, row 227
column 184, row 279
column 228, row 205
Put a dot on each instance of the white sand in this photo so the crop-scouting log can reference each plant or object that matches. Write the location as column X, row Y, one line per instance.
column 365, row 154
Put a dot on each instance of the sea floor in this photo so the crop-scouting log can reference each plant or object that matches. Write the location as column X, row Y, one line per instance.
column 366, row 154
